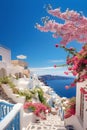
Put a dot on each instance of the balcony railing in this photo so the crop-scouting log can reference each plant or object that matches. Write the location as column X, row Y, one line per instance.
column 61, row 113
column 10, row 116
column 5, row 108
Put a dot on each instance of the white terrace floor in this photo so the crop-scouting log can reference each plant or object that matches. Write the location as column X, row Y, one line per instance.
column 53, row 122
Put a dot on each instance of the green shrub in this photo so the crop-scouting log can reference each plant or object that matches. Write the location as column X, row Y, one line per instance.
column 11, row 84
column 4, row 80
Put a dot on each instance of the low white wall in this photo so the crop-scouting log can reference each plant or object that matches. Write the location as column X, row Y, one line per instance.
column 73, row 120
column 23, row 83
column 28, row 118
column 16, row 98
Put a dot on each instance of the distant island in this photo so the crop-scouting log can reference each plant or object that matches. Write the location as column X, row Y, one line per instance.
column 53, row 77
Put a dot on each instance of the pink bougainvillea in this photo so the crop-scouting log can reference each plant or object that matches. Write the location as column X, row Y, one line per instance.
column 83, row 91
column 78, row 64
column 74, row 27
column 70, row 109
column 39, row 109
column 55, row 66
column 56, row 45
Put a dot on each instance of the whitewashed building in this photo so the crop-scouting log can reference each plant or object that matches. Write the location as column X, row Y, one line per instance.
column 5, row 61
column 8, row 67
column 79, row 120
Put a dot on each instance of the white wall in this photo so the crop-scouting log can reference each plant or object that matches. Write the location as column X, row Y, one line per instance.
column 73, row 120
column 6, row 55
column 6, row 59
column 78, row 94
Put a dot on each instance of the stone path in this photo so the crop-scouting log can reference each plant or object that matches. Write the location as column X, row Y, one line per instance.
column 53, row 122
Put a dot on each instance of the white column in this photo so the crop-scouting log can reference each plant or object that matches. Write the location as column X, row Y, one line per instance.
column 78, row 86
column 85, row 114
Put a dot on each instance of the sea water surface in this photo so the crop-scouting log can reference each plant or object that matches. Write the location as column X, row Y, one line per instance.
column 58, row 86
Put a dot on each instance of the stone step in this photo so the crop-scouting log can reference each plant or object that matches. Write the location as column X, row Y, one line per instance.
column 45, row 127
column 52, row 123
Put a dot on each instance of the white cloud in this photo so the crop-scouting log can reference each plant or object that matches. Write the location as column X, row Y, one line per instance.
column 49, row 70
column 42, row 68
column 56, row 61
column 21, row 57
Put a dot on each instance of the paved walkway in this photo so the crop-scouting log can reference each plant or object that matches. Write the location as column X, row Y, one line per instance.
column 53, row 122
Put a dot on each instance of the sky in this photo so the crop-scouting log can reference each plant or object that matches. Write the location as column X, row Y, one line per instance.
column 18, row 32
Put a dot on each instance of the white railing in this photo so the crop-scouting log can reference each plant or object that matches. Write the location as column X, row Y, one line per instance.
column 13, row 119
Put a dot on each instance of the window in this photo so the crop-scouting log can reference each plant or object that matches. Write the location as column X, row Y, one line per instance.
column 0, row 58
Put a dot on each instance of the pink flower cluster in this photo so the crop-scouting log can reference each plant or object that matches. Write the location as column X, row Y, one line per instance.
column 39, row 109
column 70, row 110
column 83, row 91
column 78, row 65
column 74, row 28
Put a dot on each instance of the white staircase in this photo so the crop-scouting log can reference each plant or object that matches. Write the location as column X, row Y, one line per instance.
column 53, row 122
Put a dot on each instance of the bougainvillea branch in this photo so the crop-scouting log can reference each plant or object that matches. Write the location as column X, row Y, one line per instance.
column 74, row 26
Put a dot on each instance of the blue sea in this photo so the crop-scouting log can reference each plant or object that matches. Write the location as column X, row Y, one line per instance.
column 59, row 87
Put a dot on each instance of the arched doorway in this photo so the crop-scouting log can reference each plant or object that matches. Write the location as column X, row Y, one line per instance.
column 3, row 73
